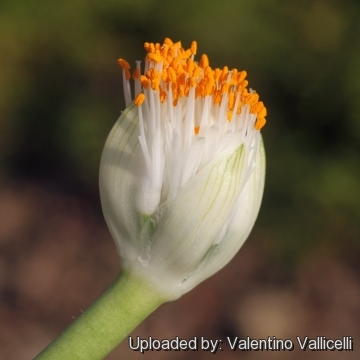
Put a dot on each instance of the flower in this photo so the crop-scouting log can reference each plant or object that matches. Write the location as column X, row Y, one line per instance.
column 182, row 171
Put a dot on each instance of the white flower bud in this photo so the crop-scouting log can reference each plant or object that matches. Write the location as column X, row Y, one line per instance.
column 182, row 171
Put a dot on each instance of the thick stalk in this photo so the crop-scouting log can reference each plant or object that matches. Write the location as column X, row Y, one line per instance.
column 127, row 302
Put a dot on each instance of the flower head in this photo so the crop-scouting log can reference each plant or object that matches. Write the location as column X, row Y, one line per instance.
column 182, row 171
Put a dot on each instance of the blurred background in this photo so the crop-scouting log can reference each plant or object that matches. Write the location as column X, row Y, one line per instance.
column 60, row 94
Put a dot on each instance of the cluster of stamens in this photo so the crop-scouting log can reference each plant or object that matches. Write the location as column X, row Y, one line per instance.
column 171, row 68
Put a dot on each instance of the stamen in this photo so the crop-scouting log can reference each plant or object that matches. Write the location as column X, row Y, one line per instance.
column 193, row 47
column 155, row 57
column 124, row 64
column 136, row 74
column 168, row 42
column 139, row 99
column 204, row 61
column 126, row 77
column 136, row 77
column 171, row 73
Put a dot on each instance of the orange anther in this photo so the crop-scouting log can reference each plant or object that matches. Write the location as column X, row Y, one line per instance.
column 174, row 63
column 181, row 53
column 124, row 64
column 209, row 73
column 242, row 85
column 177, row 45
column 198, row 91
column 256, row 107
column 168, row 42
column 196, row 129
column 259, row 123
column 180, row 69
column 145, row 82
column 186, row 54
column 139, row 99
column 196, row 72
column 151, row 48
column 262, row 113
column 155, row 79
column 171, row 74
column 217, row 97
column 241, row 76
column 155, row 57
column 171, row 53
column 190, row 66
column 251, row 99
column 231, row 101
column 210, row 88
column 181, row 79
column 155, row 85
column 224, row 88
column 193, row 47
column 136, row 74
column 204, row 61
column 224, row 74
column 217, row 74
column 233, row 80
column 164, row 51
column 191, row 81
column 164, row 74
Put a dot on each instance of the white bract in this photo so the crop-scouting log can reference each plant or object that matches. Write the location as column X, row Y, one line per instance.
column 182, row 171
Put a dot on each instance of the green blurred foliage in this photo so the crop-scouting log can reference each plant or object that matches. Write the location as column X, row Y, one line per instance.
column 60, row 93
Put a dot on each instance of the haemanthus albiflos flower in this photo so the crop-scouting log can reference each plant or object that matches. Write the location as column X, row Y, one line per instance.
column 181, row 181
column 182, row 171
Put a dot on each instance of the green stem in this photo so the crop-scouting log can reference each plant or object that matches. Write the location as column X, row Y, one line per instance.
column 127, row 302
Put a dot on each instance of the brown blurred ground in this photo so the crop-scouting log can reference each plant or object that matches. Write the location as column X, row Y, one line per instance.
column 57, row 257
